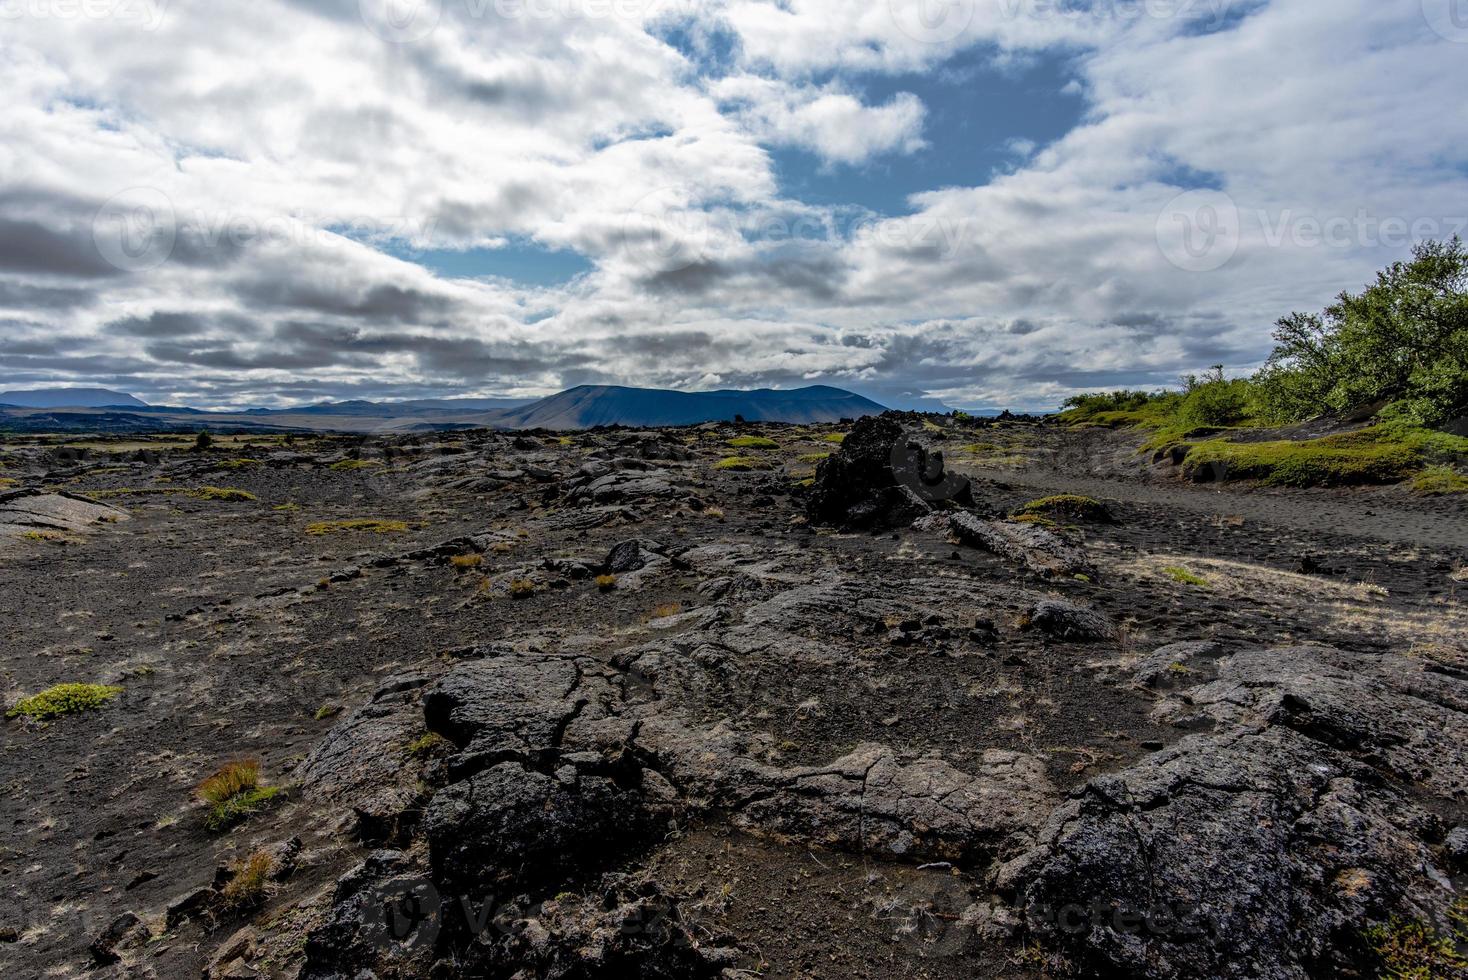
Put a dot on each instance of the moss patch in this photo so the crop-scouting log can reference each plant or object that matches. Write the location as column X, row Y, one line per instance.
column 64, row 699
column 1068, row 505
column 1438, row 481
column 740, row 464
column 1367, row 456
column 752, row 442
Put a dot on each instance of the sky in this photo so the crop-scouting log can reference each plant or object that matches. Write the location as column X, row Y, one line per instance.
column 981, row 203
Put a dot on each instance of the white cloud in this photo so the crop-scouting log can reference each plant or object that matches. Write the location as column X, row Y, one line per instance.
column 273, row 127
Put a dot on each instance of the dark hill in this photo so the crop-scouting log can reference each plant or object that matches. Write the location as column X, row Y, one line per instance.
column 589, row 405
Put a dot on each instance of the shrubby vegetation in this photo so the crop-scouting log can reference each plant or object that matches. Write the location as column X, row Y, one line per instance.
column 1396, row 353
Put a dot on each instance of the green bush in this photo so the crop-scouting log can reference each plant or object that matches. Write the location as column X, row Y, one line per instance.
column 1403, row 340
column 1367, row 456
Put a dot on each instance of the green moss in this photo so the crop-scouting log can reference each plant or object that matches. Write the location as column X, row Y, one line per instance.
column 347, row 465
column 813, row 457
column 64, row 699
column 367, row 525
column 223, row 493
column 834, row 437
column 1367, row 456
column 753, row 442
column 1068, row 505
column 244, row 462
column 1179, row 574
column 1438, row 481
column 741, row 464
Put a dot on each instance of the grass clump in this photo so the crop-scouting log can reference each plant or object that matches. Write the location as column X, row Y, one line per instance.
column 741, row 464
column 63, row 699
column 521, row 588
column 606, row 582
column 464, row 563
column 1181, row 575
column 249, row 883
column 240, row 463
column 752, row 442
column 51, row 537
column 223, row 493
column 837, row 437
column 327, row 711
column 1439, row 481
column 1068, row 505
column 665, row 610
column 347, row 465
column 366, row 525
column 1407, row 949
column 813, row 457
column 428, row 745
column 234, row 793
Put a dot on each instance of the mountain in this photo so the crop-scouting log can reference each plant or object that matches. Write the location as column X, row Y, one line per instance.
column 420, row 406
column 70, row 398
column 587, row 405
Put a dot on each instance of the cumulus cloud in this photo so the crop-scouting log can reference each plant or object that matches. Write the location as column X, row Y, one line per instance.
column 222, row 205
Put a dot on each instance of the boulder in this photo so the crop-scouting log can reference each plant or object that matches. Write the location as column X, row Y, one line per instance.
column 880, row 478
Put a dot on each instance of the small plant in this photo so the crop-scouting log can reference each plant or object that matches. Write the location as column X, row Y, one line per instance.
column 752, row 442
column 289, row 508
column 812, row 457
column 741, row 464
column 501, row 547
column 203, row 441
column 49, row 537
column 247, row 887
column 1407, row 949
column 464, row 563
column 837, row 437
column 243, row 462
column 428, row 745
column 234, row 793
column 223, row 493
column 665, row 610
column 63, row 699
column 1179, row 574
column 327, row 711
column 366, row 525
column 521, row 588
column 606, row 582
column 714, row 512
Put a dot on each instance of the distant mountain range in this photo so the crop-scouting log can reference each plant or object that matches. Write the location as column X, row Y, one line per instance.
column 69, row 398
column 97, row 409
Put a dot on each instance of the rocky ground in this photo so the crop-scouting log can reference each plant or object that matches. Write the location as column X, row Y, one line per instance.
column 610, row 704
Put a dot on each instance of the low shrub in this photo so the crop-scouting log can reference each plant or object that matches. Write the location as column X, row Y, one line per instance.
column 521, row 588
column 606, row 582
column 1362, row 457
column 63, row 699
column 464, row 563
